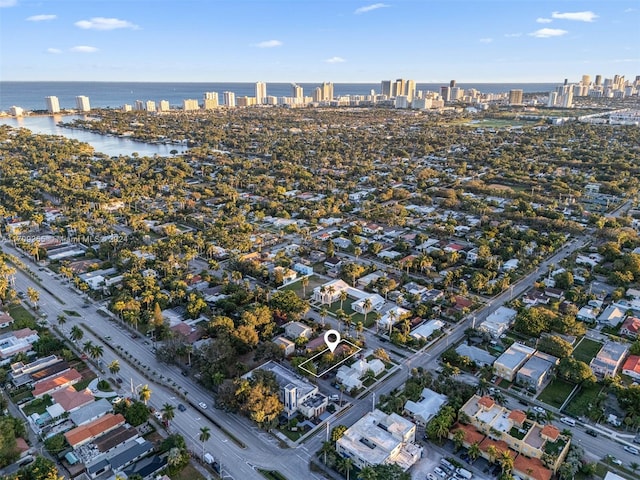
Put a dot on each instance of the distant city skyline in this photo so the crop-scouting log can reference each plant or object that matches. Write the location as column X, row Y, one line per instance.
column 311, row 41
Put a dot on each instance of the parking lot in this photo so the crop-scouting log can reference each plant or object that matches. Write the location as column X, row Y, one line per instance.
column 432, row 458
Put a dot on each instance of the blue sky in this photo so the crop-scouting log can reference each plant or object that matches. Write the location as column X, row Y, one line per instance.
column 312, row 40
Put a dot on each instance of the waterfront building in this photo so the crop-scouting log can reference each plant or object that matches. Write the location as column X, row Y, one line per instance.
column 53, row 104
column 210, row 100
column 297, row 91
column 190, row 105
column 16, row 111
column 82, row 103
column 150, row 106
column 261, row 92
column 163, row 106
column 385, row 88
column 229, row 99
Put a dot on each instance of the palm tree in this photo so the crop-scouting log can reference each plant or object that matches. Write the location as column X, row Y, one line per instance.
column 458, row 438
column 114, row 367
column 343, row 297
column 62, row 320
column 393, row 316
column 367, row 473
column 34, row 296
column 366, row 307
column 96, row 351
column 330, row 291
column 376, row 319
column 492, row 451
column 323, row 314
column 344, row 466
column 87, row 346
column 205, row 435
column 474, row 451
column 305, row 283
column 506, row 462
column 145, row 393
column 76, row 333
column 168, row 412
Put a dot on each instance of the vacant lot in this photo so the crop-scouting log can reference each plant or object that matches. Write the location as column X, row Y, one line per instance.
column 556, row 393
column 586, row 350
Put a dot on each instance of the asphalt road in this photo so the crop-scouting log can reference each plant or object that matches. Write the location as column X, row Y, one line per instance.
column 263, row 450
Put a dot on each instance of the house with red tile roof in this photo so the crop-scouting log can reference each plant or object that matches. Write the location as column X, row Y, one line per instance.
column 62, row 380
column 5, row 320
column 507, row 430
column 631, row 367
column 86, row 433
column 630, row 327
column 70, row 399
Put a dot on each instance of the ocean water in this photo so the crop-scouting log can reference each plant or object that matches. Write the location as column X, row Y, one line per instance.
column 31, row 95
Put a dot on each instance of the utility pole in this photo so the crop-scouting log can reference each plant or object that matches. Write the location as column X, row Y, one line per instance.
column 373, row 401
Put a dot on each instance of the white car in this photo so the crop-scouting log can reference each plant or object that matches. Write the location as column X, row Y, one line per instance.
column 441, row 473
column 629, row 449
column 431, row 476
column 539, row 410
column 203, row 405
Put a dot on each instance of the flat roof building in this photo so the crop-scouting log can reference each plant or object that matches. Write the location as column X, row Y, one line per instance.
column 536, row 370
column 426, row 407
column 499, row 321
column 609, row 359
column 511, row 360
column 378, row 438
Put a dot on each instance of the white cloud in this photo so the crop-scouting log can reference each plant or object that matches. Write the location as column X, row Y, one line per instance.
column 54, row 51
column 84, row 49
column 102, row 23
column 486, row 40
column 548, row 33
column 41, row 18
column 8, row 3
column 268, row 44
column 629, row 10
column 335, row 60
column 513, row 35
column 370, row 8
column 577, row 16
column 543, row 20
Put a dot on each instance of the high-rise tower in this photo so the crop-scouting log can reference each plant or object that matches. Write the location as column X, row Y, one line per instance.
column 53, row 104
column 261, row 92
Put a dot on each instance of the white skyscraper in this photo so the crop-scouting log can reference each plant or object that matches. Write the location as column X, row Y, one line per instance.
column 53, row 105
column 229, row 99
column 82, row 103
column 261, row 92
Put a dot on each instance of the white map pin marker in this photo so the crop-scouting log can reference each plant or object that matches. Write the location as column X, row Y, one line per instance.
column 332, row 344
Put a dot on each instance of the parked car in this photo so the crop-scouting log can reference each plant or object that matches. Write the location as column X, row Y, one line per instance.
column 181, row 407
column 593, row 433
column 431, row 476
column 629, row 449
column 539, row 409
column 184, row 373
column 440, row 472
column 203, row 405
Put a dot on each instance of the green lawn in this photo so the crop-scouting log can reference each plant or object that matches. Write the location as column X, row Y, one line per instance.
column 19, row 313
column 297, row 286
column 586, row 350
column 39, row 405
column 556, row 393
column 579, row 405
